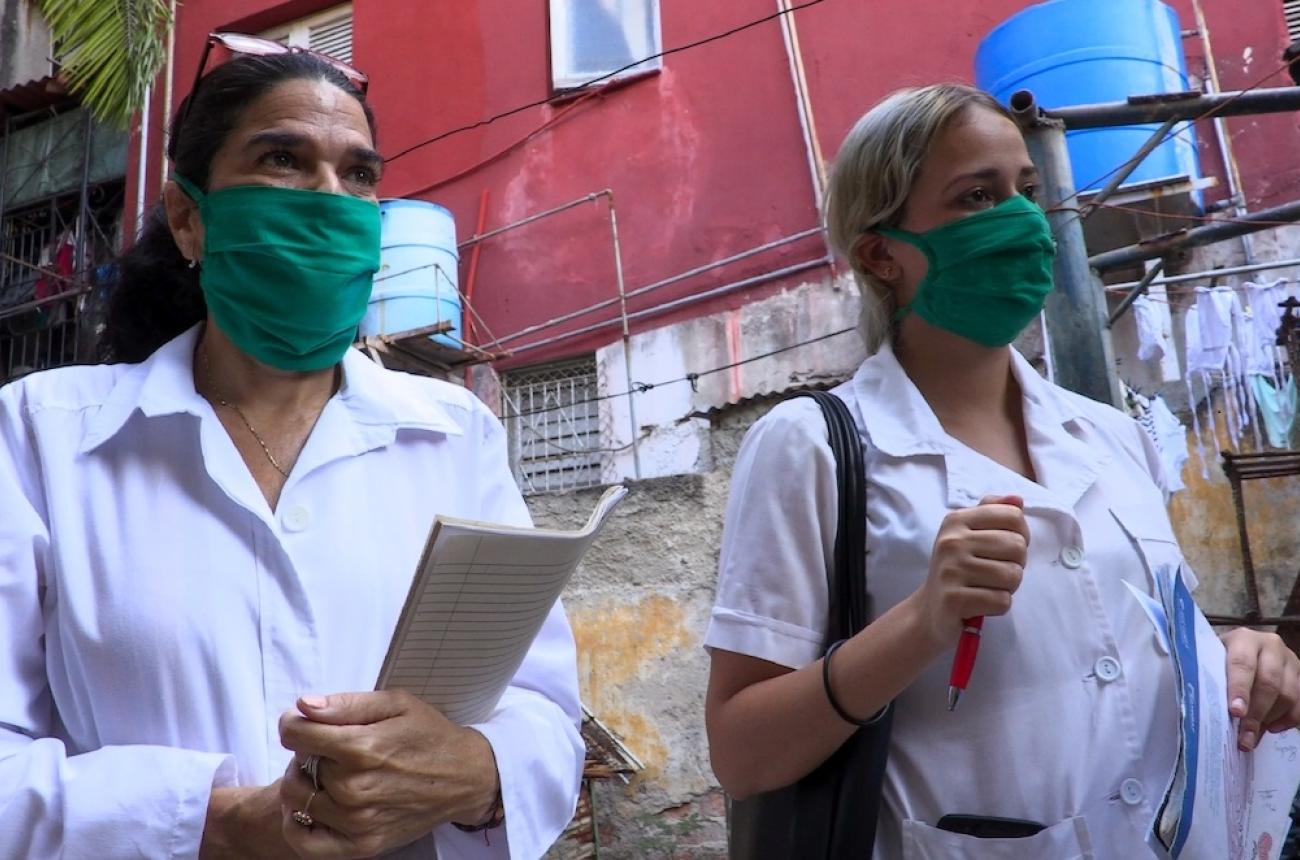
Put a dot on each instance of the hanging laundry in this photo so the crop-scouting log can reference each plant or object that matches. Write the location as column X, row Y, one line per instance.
column 1224, row 337
column 1278, row 406
column 1152, row 333
column 1265, row 315
column 1219, row 313
column 56, row 263
column 1166, row 432
column 1171, row 440
column 1197, row 367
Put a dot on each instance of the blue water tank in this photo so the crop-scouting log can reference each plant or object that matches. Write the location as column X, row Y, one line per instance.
column 1075, row 52
column 416, row 285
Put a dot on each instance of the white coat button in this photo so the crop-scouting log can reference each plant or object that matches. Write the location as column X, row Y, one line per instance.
column 1130, row 791
column 296, row 518
column 1072, row 557
column 1107, row 669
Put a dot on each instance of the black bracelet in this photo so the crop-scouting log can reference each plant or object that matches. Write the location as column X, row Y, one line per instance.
column 495, row 819
column 830, row 696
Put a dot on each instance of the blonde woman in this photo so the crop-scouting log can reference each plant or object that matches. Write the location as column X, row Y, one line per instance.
column 991, row 493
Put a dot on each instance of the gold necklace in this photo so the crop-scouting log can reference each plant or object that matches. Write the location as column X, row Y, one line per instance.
column 207, row 375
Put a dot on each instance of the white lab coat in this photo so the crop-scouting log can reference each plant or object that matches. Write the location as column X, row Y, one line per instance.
column 156, row 617
column 1070, row 718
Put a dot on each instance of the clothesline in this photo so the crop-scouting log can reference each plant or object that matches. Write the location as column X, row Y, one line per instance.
column 1120, row 288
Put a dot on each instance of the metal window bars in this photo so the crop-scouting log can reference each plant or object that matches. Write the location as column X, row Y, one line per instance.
column 552, row 417
column 49, row 314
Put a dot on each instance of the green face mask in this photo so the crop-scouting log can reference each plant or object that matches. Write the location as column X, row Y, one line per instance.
column 989, row 272
column 287, row 272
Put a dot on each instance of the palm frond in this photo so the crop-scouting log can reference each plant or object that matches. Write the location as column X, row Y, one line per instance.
column 109, row 51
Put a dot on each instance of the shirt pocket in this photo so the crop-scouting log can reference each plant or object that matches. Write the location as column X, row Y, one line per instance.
column 1154, row 538
column 1065, row 840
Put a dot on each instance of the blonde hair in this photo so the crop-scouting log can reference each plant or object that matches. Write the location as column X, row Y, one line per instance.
column 873, row 176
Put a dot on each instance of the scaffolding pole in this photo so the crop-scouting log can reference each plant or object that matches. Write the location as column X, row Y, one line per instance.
column 1263, row 219
column 1139, row 110
column 627, row 334
column 1212, row 273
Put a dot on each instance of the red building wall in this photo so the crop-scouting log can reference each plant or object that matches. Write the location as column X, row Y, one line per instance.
column 705, row 158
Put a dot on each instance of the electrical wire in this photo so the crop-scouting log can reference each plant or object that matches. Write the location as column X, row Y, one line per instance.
column 569, row 110
column 692, row 378
column 1207, row 219
column 605, row 77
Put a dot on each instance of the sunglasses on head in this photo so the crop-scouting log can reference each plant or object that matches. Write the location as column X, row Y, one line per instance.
column 230, row 45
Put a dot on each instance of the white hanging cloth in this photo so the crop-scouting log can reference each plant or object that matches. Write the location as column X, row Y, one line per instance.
column 1153, row 335
column 1225, row 337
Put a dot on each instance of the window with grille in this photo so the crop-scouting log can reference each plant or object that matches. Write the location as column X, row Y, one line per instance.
column 1291, row 9
column 328, row 32
column 591, row 38
column 552, row 417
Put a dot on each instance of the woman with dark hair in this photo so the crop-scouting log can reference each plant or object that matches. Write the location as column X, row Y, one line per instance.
column 204, row 546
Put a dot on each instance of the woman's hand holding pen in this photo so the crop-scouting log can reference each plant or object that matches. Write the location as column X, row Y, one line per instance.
column 976, row 566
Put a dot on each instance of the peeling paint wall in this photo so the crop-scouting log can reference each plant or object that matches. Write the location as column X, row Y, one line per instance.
column 639, row 608
column 25, row 45
column 1206, row 523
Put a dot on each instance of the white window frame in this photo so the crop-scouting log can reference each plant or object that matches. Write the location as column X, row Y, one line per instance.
column 553, row 421
column 565, row 73
column 298, row 33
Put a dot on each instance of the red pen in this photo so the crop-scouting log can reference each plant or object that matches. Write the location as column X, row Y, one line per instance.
column 964, row 660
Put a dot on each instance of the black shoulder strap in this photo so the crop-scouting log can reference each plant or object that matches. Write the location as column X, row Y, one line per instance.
column 847, row 578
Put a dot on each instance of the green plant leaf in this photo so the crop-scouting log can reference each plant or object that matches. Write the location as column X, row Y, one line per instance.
column 110, row 51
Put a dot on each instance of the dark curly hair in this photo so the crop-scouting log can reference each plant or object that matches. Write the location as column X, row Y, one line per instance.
column 157, row 295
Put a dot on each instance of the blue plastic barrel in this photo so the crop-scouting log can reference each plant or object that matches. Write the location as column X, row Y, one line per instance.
column 416, row 285
column 1075, row 52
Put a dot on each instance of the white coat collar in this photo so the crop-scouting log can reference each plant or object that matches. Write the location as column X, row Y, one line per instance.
column 899, row 422
column 379, row 402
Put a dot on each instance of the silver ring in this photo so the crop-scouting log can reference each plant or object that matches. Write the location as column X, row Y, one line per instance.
column 302, row 817
column 310, row 766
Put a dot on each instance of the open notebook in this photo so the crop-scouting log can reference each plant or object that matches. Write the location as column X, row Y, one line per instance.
column 479, row 597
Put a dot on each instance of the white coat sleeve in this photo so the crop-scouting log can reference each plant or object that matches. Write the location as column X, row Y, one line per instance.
column 114, row 802
column 534, row 731
column 778, row 540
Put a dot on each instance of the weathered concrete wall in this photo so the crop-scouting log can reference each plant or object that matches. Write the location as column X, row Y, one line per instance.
column 639, row 608
column 25, row 46
column 1206, row 523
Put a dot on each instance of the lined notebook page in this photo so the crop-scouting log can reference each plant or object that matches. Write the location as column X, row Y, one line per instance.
column 478, row 598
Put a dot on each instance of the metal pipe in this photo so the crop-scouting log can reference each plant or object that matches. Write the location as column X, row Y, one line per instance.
column 803, row 103
column 627, row 335
column 685, row 300
column 1262, row 219
column 1138, row 110
column 4, row 173
column 170, row 74
column 593, row 196
column 35, row 304
column 669, row 281
column 83, row 200
column 1200, row 276
column 144, row 160
column 1083, row 358
column 1138, row 289
column 1129, row 166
